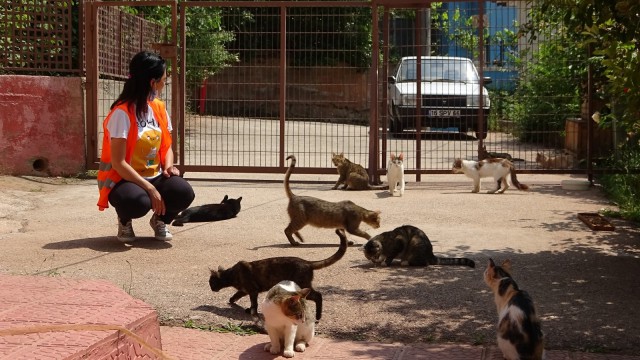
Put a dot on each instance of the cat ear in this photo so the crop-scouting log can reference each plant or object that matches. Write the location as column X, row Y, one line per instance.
column 240, row 199
column 507, row 265
column 401, row 156
column 305, row 292
column 226, row 197
column 491, row 263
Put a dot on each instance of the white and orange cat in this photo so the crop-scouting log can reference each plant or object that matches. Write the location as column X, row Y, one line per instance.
column 395, row 174
column 288, row 319
column 496, row 168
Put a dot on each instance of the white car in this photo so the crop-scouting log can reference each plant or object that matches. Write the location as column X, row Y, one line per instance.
column 451, row 95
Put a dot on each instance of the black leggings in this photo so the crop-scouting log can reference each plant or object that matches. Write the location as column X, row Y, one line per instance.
column 132, row 202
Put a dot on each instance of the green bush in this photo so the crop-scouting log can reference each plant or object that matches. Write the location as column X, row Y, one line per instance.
column 547, row 93
column 624, row 188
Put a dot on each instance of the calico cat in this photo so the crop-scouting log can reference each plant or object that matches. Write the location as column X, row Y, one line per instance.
column 561, row 161
column 492, row 167
column 288, row 319
column 252, row 278
column 411, row 245
column 227, row 209
column 352, row 175
column 395, row 173
column 308, row 210
column 519, row 330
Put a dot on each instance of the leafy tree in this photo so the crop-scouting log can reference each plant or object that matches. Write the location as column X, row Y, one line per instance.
column 204, row 36
column 547, row 93
column 612, row 29
column 344, row 32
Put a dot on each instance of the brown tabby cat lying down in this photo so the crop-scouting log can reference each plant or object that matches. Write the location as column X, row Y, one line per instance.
column 307, row 210
column 252, row 278
column 561, row 161
column 411, row 245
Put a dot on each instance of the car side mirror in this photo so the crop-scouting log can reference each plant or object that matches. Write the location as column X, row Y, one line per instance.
column 391, row 79
column 486, row 80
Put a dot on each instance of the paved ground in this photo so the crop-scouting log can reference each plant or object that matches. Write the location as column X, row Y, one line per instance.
column 583, row 281
column 210, row 346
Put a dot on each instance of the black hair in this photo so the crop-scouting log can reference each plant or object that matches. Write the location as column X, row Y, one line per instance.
column 144, row 67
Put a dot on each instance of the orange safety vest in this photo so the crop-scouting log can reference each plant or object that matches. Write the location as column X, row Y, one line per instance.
column 107, row 176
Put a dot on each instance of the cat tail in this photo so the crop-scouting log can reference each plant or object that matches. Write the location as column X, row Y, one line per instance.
column 288, row 175
column 335, row 257
column 514, row 179
column 452, row 261
column 377, row 187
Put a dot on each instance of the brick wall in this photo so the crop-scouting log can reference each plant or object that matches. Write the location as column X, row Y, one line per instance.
column 42, row 130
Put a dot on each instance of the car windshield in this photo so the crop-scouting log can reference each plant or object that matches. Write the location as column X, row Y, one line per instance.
column 438, row 70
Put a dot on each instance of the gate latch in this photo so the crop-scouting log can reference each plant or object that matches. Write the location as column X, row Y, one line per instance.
column 166, row 50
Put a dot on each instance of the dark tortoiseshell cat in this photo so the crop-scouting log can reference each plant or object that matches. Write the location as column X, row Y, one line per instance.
column 226, row 209
column 252, row 278
column 411, row 245
column 308, row 210
column 519, row 331
column 352, row 175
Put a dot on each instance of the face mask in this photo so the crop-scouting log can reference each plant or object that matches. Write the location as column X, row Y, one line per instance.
column 153, row 94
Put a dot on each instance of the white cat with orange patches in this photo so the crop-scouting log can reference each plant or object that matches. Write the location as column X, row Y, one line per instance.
column 288, row 319
column 496, row 168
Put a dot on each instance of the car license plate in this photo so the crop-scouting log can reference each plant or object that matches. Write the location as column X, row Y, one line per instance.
column 444, row 113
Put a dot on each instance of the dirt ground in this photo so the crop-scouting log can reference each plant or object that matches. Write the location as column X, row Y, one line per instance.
column 585, row 283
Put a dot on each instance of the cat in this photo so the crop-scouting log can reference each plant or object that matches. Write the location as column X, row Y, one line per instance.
column 308, row 210
column 288, row 319
column 352, row 175
column 411, row 245
column 561, row 161
column 252, row 278
column 484, row 154
column 395, row 173
column 492, row 167
column 519, row 329
column 227, row 209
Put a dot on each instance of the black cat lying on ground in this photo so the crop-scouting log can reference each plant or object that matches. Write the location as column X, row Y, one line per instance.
column 227, row 209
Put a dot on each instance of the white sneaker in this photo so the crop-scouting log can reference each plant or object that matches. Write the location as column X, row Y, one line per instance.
column 160, row 229
column 125, row 232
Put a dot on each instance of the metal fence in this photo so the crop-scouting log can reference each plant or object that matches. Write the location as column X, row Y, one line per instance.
column 252, row 82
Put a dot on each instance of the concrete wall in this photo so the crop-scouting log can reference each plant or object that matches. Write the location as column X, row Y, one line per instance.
column 42, row 130
column 317, row 93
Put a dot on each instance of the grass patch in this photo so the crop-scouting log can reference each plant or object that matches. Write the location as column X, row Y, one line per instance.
column 227, row 328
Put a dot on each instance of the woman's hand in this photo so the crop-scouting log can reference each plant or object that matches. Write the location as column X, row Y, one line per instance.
column 157, row 204
column 171, row 171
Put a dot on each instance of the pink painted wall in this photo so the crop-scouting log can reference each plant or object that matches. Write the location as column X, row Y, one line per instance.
column 42, row 129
